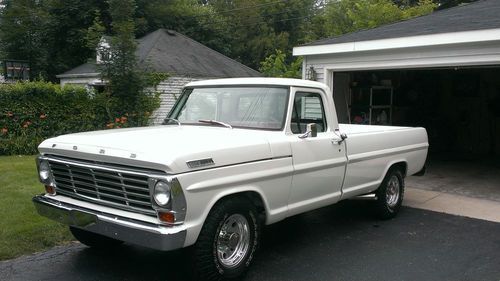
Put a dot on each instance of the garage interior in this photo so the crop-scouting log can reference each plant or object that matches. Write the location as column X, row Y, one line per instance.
column 459, row 107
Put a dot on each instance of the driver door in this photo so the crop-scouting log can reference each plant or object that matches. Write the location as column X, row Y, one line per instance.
column 319, row 162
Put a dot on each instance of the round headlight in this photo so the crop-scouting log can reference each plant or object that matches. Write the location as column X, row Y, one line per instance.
column 44, row 171
column 162, row 193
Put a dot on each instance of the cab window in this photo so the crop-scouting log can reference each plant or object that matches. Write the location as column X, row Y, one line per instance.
column 307, row 108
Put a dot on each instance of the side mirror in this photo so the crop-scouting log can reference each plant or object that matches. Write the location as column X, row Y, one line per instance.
column 311, row 131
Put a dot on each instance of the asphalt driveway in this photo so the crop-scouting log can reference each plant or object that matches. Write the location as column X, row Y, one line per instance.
column 342, row 242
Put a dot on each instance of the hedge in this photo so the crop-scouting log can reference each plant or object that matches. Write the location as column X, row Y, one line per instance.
column 33, row 111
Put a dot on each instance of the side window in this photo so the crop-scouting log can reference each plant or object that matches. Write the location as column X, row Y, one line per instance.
column 307, row 108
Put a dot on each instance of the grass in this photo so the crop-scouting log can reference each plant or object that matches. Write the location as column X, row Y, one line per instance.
column 22, row 230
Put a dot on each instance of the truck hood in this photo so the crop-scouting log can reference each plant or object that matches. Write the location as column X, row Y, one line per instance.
column 166, row 148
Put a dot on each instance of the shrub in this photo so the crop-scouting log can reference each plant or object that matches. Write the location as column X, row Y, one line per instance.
column 33, row 111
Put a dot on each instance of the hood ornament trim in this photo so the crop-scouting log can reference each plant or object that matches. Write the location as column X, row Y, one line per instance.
column 198, row 163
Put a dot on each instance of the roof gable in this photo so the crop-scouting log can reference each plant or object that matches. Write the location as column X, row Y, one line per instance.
column 174, row 53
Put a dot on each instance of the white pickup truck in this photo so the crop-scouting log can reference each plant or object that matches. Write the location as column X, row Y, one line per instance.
column 233, row 155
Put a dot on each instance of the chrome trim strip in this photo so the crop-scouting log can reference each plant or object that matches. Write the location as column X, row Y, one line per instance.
column 92, row 166
column 239, row 163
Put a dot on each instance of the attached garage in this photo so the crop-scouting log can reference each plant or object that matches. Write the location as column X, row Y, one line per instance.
column 440, row 71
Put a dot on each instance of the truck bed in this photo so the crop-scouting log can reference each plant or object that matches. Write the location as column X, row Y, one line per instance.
column 371, row 150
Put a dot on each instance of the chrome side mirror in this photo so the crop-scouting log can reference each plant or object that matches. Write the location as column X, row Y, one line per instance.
column 311, row 131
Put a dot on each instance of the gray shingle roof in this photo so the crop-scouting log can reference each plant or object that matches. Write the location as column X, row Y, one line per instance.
column 88, row 68
column 483, row 14
column 171, row 52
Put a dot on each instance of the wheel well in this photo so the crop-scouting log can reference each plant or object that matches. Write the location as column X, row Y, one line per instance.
column 402, row 166
column 254, row 197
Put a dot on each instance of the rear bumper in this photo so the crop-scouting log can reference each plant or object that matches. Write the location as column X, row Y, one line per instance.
column 133, row 231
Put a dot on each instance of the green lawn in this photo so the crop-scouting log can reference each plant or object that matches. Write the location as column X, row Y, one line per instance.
column 22, row 230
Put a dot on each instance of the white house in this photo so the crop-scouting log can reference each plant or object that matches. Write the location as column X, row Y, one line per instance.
column 440, row 71
column 183, row 58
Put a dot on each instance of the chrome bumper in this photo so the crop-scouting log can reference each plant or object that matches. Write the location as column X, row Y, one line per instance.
column 133, row 231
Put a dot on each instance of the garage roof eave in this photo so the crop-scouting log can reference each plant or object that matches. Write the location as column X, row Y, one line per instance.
column 451, row 38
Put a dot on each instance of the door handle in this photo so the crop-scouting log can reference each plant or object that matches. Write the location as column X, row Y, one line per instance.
column 339, row 141
column 336, row 141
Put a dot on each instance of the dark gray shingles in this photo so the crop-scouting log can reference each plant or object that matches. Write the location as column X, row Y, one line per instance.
column 483, row 14
column 179, row 55
column 86, row 68
column 175, row 53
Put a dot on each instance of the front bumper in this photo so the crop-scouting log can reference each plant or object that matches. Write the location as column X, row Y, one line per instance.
column 133, row 231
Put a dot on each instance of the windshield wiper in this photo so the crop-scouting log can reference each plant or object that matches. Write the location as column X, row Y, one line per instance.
column 215, row 122
column 166, row 121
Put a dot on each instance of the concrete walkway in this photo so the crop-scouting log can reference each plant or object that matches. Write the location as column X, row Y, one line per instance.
column 452, row 204
column 467, row 188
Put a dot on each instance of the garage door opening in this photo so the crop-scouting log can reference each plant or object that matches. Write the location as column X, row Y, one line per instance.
column 459, row 107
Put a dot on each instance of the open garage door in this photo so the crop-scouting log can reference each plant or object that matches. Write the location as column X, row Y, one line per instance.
column 459, row 107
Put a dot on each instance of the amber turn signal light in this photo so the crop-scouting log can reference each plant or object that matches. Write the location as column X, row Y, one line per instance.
column 50, row 190
column 166, row 217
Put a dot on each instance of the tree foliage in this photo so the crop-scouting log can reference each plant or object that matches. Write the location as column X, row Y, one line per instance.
column 275, row 65
column 126, row 85
column 57, row 35
column 344, row 16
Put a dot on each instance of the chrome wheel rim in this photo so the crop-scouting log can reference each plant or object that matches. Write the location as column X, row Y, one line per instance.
column 392, row 191
column 233, row 240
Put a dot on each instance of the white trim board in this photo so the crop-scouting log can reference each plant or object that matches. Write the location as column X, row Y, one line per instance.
column 402, row 42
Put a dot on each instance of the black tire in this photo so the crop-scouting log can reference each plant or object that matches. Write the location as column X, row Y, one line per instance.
column 208, row 264
column 94, row 240
column 387, row 206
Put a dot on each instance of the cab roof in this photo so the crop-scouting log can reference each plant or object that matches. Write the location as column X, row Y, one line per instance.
column 260, row 82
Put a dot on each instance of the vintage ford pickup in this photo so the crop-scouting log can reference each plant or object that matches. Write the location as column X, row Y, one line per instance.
column 233, row 155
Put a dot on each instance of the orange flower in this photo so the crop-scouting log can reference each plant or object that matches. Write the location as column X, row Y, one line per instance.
column 5, row 131
column 110, row 125
column 123, row 119
column 117, row 120
column 43, row 116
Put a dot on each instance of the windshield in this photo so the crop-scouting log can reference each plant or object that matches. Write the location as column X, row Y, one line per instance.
column 244, row 107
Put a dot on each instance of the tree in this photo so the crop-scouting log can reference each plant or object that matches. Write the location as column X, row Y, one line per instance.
column 275, row 65
column 344, row 16
column 67, row 42
column 126, row 92
column 259, row 27
column 200, row 22
column 23, row 33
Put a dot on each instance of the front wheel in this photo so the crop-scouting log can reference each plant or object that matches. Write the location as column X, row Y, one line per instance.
column 228, row 240
column 94, row 240
column 390, row 194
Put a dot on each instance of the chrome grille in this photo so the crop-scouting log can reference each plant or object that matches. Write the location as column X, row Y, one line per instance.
column 102, row 185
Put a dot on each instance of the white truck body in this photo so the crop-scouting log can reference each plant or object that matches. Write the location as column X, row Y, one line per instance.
column 287, row 173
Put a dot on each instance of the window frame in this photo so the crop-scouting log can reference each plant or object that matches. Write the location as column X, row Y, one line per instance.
column 181, row 101
column 323, row 113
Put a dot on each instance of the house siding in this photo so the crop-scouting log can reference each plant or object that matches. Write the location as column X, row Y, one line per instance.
column 170, row 90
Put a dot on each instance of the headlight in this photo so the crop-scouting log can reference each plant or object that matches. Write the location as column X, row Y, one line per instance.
column 44, row 171
column 162, row 193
